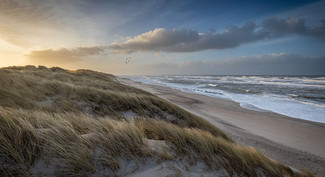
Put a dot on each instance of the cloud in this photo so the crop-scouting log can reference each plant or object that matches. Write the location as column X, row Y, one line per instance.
column 279, row 27
column 23, row 22
column 187, row 40
column 319, row 31
column 63, row 55
column 269, row 64
column 27, row 23
column 190, row 40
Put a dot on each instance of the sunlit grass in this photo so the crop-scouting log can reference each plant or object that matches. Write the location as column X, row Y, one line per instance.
column 94, row 93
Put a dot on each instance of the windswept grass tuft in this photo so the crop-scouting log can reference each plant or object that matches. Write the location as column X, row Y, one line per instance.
column 27, row 135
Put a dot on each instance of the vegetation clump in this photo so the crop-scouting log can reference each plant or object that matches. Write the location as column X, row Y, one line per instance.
column 75, row 122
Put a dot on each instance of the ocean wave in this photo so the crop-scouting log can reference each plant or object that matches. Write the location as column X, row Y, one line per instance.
column 300, row 97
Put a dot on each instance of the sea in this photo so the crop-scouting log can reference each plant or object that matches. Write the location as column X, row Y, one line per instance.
column 301, row 97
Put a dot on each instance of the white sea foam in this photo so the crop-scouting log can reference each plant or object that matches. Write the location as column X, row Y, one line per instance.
column 288, row 104
column 284, row 106
column 212, row 85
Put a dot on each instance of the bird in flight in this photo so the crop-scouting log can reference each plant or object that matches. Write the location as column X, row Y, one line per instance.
column 127, row 60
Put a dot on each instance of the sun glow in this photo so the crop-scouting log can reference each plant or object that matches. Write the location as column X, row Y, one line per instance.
column 10, row 54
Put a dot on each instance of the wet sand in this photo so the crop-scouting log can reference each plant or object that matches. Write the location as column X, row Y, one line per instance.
column 295, row 142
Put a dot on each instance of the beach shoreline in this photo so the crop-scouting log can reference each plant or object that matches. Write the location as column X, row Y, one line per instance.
column 295, row 142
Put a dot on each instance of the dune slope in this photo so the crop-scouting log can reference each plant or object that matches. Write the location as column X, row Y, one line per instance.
column 58, row 122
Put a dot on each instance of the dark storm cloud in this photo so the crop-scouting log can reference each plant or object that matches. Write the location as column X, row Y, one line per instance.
column 191, row 41
column 188, row 40
column 64, row 55
column 319, row 31
column 279, row 27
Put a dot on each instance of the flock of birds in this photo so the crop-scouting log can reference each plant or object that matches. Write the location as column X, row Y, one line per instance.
column 127, row 60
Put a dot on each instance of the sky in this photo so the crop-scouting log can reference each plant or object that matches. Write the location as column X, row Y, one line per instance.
column 170, row 37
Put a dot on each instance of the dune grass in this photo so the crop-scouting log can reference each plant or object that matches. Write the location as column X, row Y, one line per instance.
column 95, row 93
column 197, row 145
column 82, row 143
column 74, row 120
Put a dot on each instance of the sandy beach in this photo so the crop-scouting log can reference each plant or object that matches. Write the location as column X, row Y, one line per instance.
column 295, row 142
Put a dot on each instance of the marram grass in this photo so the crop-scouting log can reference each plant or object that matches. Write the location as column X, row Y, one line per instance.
column 75, row 119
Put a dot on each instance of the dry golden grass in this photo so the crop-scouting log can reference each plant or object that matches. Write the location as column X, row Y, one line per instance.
column 216, row 152
column 32, row 127
column 95, row 93
column 27, row 135
column 80, row 141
